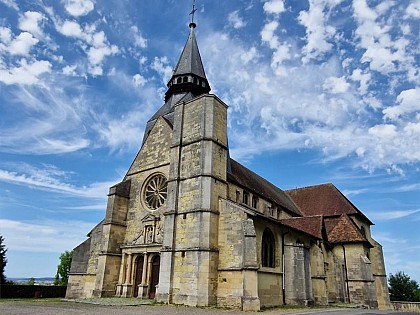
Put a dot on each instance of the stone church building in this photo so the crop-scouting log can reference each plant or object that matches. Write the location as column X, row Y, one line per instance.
column 190, row 225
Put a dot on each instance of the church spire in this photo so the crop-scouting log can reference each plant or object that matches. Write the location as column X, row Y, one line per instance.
column 189, row 75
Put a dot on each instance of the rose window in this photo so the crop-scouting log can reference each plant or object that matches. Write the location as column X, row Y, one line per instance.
column 156, row 191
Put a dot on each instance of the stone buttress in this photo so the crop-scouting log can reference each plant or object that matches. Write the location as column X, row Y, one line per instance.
column 197, row 179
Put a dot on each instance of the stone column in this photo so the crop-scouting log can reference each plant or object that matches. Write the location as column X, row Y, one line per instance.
column 127, row 286
column 121, row 277
column 143, row 276
column 128, row 271
column 142, row 293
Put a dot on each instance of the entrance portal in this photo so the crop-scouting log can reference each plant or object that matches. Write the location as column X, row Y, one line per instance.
column 139, row 275
column 154, row 277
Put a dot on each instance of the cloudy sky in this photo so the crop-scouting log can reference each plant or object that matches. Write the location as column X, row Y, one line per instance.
column 319, row 91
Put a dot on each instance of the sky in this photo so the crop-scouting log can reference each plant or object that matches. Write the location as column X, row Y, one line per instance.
column 318, row 91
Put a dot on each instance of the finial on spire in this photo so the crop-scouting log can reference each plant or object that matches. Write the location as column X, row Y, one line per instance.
column 192, row 24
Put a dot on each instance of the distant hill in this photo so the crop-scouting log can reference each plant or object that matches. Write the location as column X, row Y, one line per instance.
column 45, row 280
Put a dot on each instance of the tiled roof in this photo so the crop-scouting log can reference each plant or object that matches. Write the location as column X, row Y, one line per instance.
column 324, row 200
column 240, row 175
column 309, row 225
column 343, row 230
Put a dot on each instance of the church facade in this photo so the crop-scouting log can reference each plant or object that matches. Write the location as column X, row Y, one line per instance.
column 189, row 225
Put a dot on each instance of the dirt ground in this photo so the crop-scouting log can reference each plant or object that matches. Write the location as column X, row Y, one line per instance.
column 57, row 307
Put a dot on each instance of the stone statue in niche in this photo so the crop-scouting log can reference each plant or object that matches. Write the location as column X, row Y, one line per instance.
column 149, row 234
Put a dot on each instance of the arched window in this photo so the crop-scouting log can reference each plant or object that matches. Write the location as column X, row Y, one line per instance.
column 254, row 202
column 185, row 79
column 179, row 80
column 363, row 230
column 268, row 249
column 245, row 198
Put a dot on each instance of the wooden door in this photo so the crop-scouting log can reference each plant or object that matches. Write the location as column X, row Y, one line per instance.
column 154, row 277
column 139, row 274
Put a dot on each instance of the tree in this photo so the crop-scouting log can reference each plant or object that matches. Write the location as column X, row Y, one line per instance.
column 3, row 260
column 31, row 281
column 402, row 288
column 63, row 268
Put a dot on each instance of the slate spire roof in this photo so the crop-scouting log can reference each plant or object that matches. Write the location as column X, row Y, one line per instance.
column 189, row 75
column 190, row 59
column 187, row 82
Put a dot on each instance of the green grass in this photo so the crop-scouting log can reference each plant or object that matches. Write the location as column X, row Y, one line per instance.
column 41, row 300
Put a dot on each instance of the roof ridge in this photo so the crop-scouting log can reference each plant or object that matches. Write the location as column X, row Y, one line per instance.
column 311, row 186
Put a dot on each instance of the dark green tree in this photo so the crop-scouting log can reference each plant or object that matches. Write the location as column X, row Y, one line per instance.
column 63, row 268
column 3, row 260
column 402, row 288
column 31, row 281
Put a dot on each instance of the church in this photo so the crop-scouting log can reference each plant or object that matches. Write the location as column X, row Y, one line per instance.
column 190, row 225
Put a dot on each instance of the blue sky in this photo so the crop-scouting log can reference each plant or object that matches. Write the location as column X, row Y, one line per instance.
column 319, row 91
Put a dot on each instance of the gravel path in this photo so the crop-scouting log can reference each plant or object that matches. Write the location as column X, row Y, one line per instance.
column 45, row 307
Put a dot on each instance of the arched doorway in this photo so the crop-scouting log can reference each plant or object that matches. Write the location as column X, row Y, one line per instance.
column 154, row 276
column 138, row 275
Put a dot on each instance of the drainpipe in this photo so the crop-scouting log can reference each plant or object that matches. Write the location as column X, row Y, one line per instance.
column 283, row 268
column 347, row 276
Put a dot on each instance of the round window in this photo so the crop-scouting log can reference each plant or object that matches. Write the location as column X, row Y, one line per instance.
column 156, row 191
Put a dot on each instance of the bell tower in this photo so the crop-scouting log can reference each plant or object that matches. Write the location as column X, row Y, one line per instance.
column 197, row 179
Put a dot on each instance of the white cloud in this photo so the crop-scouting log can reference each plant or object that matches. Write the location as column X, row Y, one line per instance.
column 50, row 120
column 11, row 4
column 384, row 131
column 161, row 66
column 274, row 6
column 73, row 29
column 70, row 70
column 78, row 7
column 25, row 73
column 97, row 54
column 20, row 45
column 336, row 85
column 267, row 34
column 384, row 53
column 408, row 102
column 99, row 47
column 413, row 9
column 48, row 180
column 392, row 215
column 235, row 20
column 318, row 32
column 31, row 236
column 408, row 187
column 139, row 80
column 281, row 51
column 249, row 55
column 5, row 37
column 269, row 112
column 121, row 132
column 363, row 77
column 139, row 40
column 30, row 21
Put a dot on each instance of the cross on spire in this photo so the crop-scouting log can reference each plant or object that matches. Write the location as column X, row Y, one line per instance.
column 192, row 24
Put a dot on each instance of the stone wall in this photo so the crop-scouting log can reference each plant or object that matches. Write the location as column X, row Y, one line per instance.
column 80, row 286
column 297, row 275
column 412, row 307
column 237, row 285
column 197, row 179
column 155, row 150
column 318, row 275
column 379, row 274
column 358, row 279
